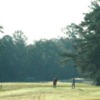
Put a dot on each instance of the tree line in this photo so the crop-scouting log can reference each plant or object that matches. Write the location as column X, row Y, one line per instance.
column 39, row 61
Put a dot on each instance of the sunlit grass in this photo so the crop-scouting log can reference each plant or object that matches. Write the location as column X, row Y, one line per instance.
column 45, row 91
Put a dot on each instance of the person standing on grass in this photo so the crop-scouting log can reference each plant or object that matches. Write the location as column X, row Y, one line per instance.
column 55, row 82
column 73, row 83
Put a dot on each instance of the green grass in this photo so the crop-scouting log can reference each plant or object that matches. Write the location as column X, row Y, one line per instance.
column 45, row 91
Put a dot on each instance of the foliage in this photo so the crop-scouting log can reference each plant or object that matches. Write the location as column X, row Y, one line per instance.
column 86, row 41
column 39, row 61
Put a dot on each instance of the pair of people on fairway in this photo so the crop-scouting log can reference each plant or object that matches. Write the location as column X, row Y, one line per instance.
column 55, row 83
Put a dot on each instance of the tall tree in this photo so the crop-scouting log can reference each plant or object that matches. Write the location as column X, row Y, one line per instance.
column 86, row 37
column 7, row 64
column 20, row 48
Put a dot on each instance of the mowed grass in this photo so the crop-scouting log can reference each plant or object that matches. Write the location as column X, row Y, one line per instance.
column 45, row 91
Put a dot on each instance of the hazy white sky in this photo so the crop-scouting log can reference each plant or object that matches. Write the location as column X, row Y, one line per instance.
column 40, row 18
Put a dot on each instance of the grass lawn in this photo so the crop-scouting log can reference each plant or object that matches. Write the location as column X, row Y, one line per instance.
column 45, row 91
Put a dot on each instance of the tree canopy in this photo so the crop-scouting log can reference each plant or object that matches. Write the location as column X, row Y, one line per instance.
column 86, row 43
column 39, row 61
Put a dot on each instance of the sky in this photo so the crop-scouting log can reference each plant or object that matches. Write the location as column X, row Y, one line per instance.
column 40, row 19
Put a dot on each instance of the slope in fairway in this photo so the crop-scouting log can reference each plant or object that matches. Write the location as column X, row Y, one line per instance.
column 45, row 91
